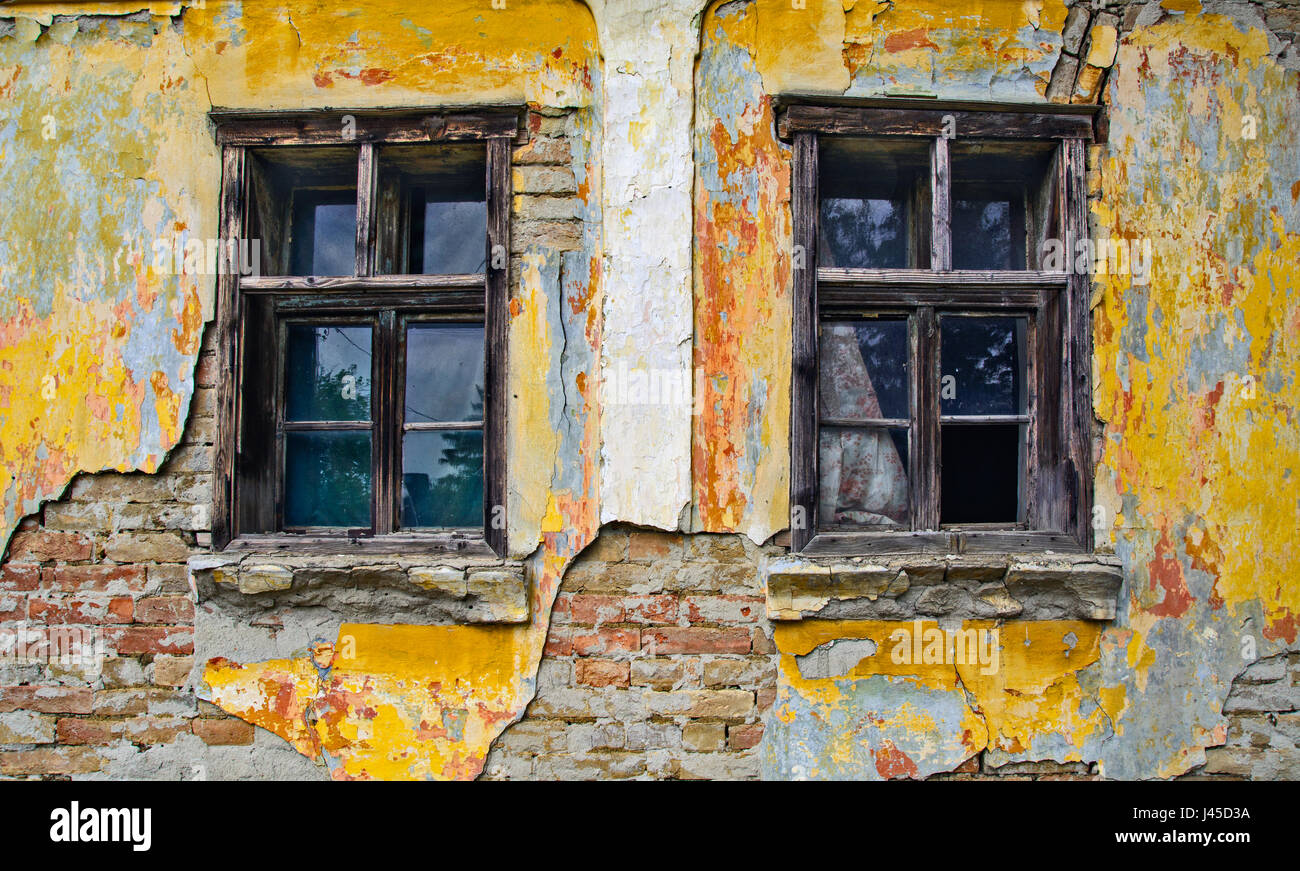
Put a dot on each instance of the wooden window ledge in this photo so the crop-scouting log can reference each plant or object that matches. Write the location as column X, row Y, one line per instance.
column 979, row 587
column 427, row 590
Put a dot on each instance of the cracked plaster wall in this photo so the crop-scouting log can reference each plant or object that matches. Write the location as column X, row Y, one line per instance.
column 671, row 128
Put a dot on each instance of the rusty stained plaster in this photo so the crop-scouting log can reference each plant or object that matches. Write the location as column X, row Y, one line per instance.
column 1195, row 471
column 1199, row 444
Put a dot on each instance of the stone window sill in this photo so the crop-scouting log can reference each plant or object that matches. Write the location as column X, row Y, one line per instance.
column 984, row 587
column 371, row 587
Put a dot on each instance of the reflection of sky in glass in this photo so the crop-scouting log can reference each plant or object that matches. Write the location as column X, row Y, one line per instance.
column 334, row 239
column 444, row 373
column 328, row 373
column 981, row 234
column 455, row 237
column 985, row 357
column 863, row 233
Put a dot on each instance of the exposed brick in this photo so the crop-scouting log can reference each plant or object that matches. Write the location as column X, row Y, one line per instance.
column 223, row 732
column 121, row 671
column 13, row 608
column 602, row 672
column 651, row 609
column 26, row 727
column 142, row 547
column 124, row 702
column 724, row 609
column 47, row 699
column 748, row 672
column 606, row 641
column 172, row 671
column 543, row 149
column 40, row 545
column 695, row 640
column 559, row 642
column 704, row 737
column 83, row 730
column 133, row 640
column 653, row 545
column 744, row 737
column 593, row 609
column 81, row 609
column 165, row 609
column 19, row 577
column 660, row 674
column 99, row 579
column 712, row 704
column 609, row 547
column 50, row 760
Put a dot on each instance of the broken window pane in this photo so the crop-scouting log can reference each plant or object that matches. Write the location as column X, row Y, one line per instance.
column 982, row 361
column 442, row 478
column 327, row 372
column 981, row 473
column 327, row 479
column 871, row 191
column 444, row 373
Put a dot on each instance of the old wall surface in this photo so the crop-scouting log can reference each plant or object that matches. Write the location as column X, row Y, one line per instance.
column 651, row 234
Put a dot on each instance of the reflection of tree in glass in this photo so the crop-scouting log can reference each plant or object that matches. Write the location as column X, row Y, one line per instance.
column 328, row 479
column 981, row 231
column 455, row 498
column 863, row 233
column 984, row 356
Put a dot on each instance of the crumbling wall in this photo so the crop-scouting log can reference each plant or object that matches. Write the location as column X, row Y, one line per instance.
column 651, row 233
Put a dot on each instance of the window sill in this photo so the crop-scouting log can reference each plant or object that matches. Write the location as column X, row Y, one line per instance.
column 987, row 586
column 388, row 584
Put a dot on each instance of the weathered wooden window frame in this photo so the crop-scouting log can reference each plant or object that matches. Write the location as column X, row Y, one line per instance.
column 1059, row 485
column 389, row 298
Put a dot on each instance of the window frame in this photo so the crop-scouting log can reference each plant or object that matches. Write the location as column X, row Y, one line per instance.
column 1058, row 486
column 250, row 310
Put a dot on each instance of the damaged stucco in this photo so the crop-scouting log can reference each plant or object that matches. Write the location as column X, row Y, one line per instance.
column 683, row 267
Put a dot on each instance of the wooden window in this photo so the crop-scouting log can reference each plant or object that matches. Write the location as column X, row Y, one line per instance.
column 362, row 392
column 941, row 375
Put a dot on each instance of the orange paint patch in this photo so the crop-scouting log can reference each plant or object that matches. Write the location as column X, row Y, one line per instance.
column 892, row 762
column 908, row 39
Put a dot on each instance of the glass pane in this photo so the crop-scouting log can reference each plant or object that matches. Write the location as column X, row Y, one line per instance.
column 451, row 236
column 982, row 469
column 864, row 233
column 327, row 372
column 442, row 190
column 988, row 232
column 327, row 479
column 1001, row 202
column 444, row 373
column 442, row 478
column 324, row 232
column 870, row 190
column 865, row 370
column 982, row 365
column 303, row 209
column 863, row 477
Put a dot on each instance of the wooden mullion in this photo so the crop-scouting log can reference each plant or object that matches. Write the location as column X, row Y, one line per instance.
column 231, row 226
column 940, row 205
column 383, row 450
column 367, row 197
column 496, row 321
column 1077, row 372
column 928, row 416
column 804, row 408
